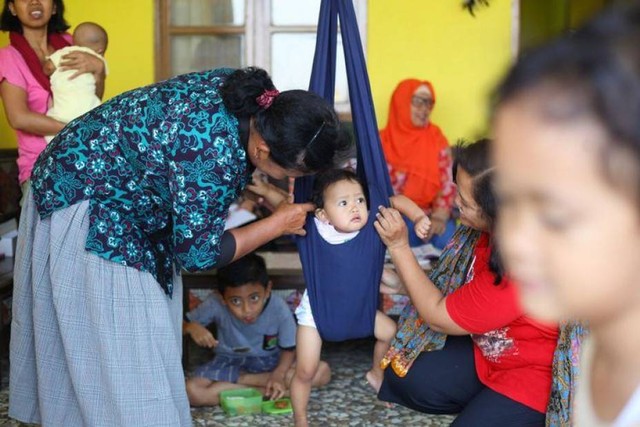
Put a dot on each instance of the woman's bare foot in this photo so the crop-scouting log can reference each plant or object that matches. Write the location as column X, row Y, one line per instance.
column 374, row 380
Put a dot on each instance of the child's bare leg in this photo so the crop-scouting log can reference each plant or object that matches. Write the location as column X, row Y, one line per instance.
column 308, row 348
column 384, row 330
column 322, row 377
column 254, row 380
column 204, row 392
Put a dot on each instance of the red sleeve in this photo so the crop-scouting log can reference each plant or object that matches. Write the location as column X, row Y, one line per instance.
column 480, row 306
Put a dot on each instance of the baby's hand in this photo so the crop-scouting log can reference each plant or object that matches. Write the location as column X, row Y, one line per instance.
column 269, row 192
column 422, row 226
column 201, row 335
column 48, row 67
column 258, row 185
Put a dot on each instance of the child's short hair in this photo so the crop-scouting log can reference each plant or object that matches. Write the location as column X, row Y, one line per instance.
column 250, row 268
column 325, row 179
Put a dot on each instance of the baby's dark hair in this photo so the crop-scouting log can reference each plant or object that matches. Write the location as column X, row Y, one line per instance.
column 57, row 23
column 250, row 268
column 301, row 129
column 591, row 74
column 323, row 180
column 475, row 159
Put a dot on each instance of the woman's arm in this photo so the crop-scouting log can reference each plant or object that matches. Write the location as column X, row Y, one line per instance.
column 425, row 296
column 84, row 62
column 20, row 117
column 288, row 218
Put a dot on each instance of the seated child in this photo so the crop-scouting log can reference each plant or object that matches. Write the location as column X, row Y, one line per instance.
column 74, row 96
column 255, row 339
column 341, row 212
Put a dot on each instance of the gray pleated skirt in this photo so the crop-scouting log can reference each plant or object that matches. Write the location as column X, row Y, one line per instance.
column 93, row 342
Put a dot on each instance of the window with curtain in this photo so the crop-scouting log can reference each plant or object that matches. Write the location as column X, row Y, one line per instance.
column 277, row 35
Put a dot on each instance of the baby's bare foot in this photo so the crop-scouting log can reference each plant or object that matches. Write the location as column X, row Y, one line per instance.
column 390, row 278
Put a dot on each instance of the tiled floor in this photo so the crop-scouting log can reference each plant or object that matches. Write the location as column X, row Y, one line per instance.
column 346, row 401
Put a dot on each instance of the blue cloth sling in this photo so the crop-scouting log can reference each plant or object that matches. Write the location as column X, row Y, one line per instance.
column 343, row 280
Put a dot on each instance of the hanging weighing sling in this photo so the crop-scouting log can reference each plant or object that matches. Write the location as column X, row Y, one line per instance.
column 343, row 280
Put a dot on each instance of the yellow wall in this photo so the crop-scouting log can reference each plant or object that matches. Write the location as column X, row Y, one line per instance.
column 583, row 10
column 542, row 20
column 437, row 40
column 7, row 137
column 130, row 24
column 432, row 39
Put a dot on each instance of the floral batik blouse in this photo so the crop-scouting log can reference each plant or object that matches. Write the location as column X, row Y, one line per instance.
column 159, row 165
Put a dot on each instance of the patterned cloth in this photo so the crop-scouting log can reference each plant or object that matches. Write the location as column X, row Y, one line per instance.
column 565, row 371
column 414, row 335
column 160, row 166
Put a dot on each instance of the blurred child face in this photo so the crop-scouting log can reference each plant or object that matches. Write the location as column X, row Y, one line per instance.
column 246, row 302
column 345, row 206
column 569, row 237
column 470, row 213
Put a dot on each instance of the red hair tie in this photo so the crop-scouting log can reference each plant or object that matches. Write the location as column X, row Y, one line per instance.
column 266, row 99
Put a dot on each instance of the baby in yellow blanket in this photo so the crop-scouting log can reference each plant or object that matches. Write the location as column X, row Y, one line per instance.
column 72, row 97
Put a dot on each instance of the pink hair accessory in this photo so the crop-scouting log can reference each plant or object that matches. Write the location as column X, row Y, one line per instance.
column 266, row 99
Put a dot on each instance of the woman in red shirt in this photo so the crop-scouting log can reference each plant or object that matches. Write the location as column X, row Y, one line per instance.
column 495, row 366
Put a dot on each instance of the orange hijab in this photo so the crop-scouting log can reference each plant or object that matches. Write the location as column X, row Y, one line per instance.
column 414, row 151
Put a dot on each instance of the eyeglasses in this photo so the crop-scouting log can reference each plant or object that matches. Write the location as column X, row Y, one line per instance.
column 418, row 101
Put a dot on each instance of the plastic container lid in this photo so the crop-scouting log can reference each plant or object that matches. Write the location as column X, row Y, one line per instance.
column 279, row 406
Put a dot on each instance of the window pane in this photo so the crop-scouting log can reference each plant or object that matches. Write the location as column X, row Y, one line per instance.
column 292, row 58
column 195, row 53
column 295, row 12
column 207, row 12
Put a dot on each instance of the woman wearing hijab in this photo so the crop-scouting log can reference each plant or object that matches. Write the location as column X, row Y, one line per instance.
column 419, row 158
